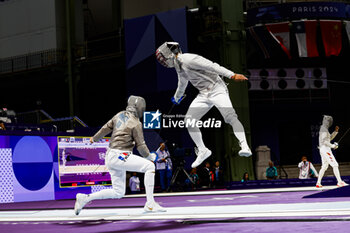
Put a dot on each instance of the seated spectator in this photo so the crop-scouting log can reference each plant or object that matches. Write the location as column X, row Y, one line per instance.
column 271, row 171
column 245, row 177
column 2, row 126
column 306, row 169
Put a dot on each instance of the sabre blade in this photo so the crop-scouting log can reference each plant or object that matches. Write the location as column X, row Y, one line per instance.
column 171, row 109
column 343, row 135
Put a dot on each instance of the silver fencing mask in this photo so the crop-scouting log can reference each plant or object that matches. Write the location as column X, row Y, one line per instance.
column 165, row 54
column 137, row 105
column 327, row 121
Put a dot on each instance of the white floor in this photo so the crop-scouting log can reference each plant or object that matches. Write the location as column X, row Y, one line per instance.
column 200, row 212
column 239, row 191
column 341, row 209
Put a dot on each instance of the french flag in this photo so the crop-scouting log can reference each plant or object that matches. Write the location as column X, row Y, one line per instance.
column 305, row 33
column 280, row 32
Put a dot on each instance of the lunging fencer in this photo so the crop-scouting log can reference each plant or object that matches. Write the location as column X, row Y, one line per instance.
column 126, row 131
column 205, row 76
column 325, row 147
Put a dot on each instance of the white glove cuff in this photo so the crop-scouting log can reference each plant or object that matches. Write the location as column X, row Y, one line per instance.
column 152, row 157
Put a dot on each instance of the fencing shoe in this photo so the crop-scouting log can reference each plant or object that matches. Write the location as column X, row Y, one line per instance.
column 81, row 201
column 342, row 184
column 152, row 206
column 245, row 152
column 319, row 185
column 202, row 154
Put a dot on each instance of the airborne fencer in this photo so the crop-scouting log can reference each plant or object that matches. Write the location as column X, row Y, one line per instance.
column 126, row 131
column 325, row 147
column 205, row 76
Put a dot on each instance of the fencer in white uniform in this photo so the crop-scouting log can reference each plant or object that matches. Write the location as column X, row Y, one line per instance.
column 205, row 76
column 325, row 147
column 126, row 131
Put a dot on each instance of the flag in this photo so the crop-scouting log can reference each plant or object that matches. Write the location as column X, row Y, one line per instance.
column 280, row 32
column 259, row 34
column 331, row 36
column 305, row 33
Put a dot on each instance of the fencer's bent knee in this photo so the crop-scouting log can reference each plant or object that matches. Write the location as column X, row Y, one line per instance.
column 150, row 167
column 230, row 117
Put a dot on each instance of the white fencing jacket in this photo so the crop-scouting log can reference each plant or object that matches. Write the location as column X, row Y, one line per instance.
column 201, row 72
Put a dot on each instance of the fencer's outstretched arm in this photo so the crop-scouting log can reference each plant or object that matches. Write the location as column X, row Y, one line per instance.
column 181, row 87
column 140, row 143
column 201, row 63
column 106, row 129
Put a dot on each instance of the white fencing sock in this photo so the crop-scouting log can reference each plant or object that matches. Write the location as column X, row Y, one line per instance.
column 149, row 185
column 337, row 173
column 196, row 136
column 103, row 194
column 238, row 130
column 320, row 174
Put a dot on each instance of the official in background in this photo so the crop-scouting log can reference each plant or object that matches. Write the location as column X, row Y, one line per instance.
column 164, row 166
column 134, row 183
column 306, row 169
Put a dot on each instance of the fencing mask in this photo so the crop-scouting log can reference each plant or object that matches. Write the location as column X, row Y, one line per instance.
column 327, row 121
column 165, row 54
column 137, row 105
